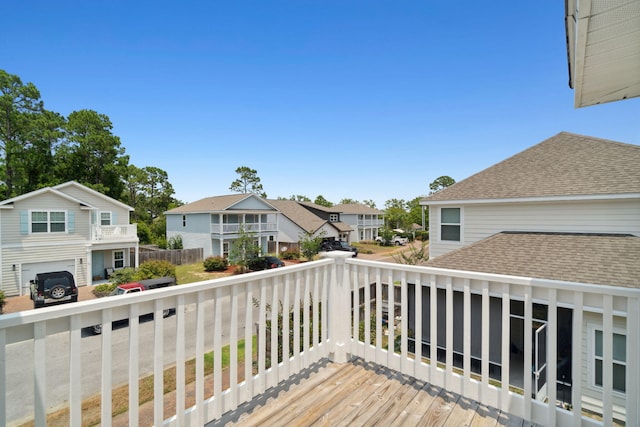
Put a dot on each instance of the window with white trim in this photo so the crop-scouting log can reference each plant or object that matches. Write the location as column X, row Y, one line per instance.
column 118, row 259
column 450, row 224
column 333, row 217
column 105, row 218
column 619, row 360
column 48, row 222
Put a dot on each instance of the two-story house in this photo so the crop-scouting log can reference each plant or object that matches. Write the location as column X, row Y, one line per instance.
column 362, row 219
column 66, row 227
column 567, row 210
column 213, row 223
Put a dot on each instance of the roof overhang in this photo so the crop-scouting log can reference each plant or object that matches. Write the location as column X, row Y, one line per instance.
column 603, row 49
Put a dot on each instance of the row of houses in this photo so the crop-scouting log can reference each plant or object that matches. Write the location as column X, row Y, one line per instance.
column 74, row 228
column 213, row 223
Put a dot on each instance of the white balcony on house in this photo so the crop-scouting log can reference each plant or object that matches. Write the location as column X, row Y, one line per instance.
column 489, row 331
column 258, row 227
column 109, row 233
column 370, row 222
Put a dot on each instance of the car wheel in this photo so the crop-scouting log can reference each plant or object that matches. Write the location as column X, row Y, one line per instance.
column 96, row 329
column 57, row 292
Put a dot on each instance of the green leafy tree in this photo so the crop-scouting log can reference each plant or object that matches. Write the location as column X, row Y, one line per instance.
column 299, row 198
column 396, row 215
column 415, row 211
column 19, row 104
column 369, row 203
column 310, row 243
column 441, row 183
column 248, row 182
column 91, row 154
column 36, row 160
column 349, row 202
column 320, row 200
column 243, row 249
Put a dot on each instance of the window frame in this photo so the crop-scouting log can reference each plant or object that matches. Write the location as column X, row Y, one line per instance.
column 49, row 222
column 102, row 220
column 116, row 259
column 458, row 224
column 334, row 217
column 593, row 329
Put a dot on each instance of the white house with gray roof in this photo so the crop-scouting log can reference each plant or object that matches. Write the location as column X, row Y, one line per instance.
column 565, row 210
column 213, row 223
column 67, row 227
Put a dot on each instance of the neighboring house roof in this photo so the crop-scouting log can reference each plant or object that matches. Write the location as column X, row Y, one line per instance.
column 606, row 259
column 62, row 187
column 566, row 165
column 299, row 215
column 341, row 226
column 318, row 207
column 355, row 208
column 8, row 203
column 215, row 203
column 603, row 50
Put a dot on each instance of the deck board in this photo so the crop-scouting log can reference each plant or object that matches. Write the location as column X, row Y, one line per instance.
column 361, row 394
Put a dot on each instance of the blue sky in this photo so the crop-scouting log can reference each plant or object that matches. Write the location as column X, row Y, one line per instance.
column 345, row 99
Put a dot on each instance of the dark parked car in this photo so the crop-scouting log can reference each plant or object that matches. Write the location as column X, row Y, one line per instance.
column 264, row 263
column 273, row 262
column 338, row 245
column 57, row 287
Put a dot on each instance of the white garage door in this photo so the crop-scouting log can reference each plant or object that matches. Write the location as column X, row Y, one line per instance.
column 29, row 271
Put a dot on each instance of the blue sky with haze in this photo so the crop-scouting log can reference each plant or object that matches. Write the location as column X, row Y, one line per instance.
column 345, row 99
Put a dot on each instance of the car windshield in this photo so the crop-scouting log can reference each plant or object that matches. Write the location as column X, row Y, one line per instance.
column 118, row 291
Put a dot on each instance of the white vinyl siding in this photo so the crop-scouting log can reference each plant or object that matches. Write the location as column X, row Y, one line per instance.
column 483, row 220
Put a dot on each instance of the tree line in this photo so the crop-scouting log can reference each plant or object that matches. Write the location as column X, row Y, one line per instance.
column 41, row 148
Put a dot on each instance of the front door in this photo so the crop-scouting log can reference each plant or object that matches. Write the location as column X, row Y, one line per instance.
column 97, row 264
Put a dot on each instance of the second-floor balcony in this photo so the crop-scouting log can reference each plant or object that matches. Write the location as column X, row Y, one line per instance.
column 100, row 233
column 377, row 223
column 258, row 227
column 546, row 352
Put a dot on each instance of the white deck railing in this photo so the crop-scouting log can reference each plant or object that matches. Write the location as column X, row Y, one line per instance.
column 113, row 232
column 49, row 359
column 247, row 227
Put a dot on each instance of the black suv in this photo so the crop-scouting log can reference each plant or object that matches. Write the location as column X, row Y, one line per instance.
column 53, row 288
column 338, row 245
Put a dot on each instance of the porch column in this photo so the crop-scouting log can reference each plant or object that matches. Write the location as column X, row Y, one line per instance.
column 339, row 305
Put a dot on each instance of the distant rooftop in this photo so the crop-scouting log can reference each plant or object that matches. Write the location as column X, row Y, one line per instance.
column 564, row 165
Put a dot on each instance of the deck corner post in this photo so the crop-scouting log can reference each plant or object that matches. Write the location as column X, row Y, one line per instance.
column 339, row 310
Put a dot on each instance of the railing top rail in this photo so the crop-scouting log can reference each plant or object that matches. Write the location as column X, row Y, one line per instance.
column 502, row 278
column 83, row 307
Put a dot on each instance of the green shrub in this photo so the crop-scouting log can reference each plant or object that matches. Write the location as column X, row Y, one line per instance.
column 155, row 268
column 124, row 275
column 104, row 289
column 216, row 263
column 289, row 255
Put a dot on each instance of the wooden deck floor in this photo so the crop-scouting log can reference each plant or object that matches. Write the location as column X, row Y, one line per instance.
column 364, row 394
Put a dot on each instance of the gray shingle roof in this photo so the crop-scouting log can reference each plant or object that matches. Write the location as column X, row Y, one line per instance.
column 300, row 215
column 605, row 259
column 564, row 165
column 211, row 204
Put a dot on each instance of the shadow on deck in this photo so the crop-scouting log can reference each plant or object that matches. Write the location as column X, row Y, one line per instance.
column 360, row 393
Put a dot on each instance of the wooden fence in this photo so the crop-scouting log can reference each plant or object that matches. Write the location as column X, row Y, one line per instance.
column 174, row 256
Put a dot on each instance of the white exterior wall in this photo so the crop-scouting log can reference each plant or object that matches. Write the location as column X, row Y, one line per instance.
column 103, row 204
column 480, row 221
column 591, row 394
column 196, row 233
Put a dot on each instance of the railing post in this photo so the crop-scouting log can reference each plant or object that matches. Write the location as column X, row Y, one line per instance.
column 339, row 305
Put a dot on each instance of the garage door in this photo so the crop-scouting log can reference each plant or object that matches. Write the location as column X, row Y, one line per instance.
column 29, row 271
